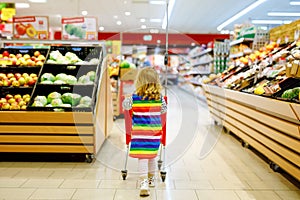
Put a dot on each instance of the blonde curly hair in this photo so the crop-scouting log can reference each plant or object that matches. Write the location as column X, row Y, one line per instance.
column 148, row 84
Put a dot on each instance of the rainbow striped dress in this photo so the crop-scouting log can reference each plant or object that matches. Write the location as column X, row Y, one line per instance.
column 146, row 127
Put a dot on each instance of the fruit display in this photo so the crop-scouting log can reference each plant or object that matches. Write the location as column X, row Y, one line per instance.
column 17, row 79
column 66, row 100
column 77, row 31
column 14, row 102
column 62, row 78
column 291, row 93
column 56, row 57
column 8, row 58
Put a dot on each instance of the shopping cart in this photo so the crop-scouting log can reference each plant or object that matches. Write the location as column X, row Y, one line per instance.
column 128, row 129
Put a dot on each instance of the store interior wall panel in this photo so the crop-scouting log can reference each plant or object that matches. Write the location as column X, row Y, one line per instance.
column 47, row 148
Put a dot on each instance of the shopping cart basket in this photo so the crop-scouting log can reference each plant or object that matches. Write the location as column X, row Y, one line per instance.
column 128, row 129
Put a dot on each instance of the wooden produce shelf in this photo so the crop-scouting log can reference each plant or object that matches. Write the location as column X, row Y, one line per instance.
column 58, row 132
column 270, row 126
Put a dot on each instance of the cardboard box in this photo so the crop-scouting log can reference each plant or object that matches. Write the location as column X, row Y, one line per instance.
column 127, row 74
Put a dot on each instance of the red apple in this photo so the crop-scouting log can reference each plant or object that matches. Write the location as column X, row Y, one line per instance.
column 5, row 53
column 5, row 106
column 18, row 75
column 31, row 82
column 33, row 58
column 6, row 82
column 9, row 96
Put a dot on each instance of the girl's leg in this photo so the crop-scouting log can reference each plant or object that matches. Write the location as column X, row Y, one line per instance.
column 143, row 170
column 151, row 172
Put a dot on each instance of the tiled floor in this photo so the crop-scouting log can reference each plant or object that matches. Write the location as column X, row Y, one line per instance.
column 202, row 163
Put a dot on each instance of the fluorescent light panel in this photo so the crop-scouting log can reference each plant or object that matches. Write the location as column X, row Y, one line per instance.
column 240, row 14
column 155, row 20
column 37, row 1
column 295, row 3
column 261, row 21
column 170, row 10
column 22, row 5
column 157, row 2
column 284, row 14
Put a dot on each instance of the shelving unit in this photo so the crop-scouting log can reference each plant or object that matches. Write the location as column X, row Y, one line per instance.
column 71, row 131
column 270, row 126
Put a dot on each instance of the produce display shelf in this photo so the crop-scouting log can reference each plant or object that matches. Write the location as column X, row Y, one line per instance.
column 202, row 63
column 269, row 125
column 241, row 40
column 202, row 53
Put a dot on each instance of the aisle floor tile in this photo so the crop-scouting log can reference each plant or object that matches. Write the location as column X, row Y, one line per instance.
column 42, row 183
column 217, row 194
column 80, row 184
column 52, row 194
column 94, row 194
column 16, row 193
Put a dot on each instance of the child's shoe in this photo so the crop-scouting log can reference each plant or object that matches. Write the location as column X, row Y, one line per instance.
column 151, row 181
column 144, row 188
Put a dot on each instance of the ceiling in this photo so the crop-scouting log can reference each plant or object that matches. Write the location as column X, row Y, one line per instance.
column 188, row 16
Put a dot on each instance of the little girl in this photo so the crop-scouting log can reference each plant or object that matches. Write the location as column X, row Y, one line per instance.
column 147, row 105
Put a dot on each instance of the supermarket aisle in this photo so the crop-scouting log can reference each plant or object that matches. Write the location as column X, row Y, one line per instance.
column 202, row 163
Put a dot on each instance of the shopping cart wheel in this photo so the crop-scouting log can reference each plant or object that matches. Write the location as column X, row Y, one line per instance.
column 124, row 174
column 159, row 164
column 274, row 167
column 89, row 158
column 163, row 176
column 245, row 144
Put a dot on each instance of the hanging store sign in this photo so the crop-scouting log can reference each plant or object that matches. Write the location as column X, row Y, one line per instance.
column 31, row 27
column 79, row 28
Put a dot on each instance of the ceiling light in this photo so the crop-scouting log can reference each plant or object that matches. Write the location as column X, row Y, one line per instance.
column 37, row 1
column 157, row 2
column 240, row 14
column 143, row 26
column 142, row 20
column 295, row 3
column 155, row 20
column 22, row 5
column 170, row 9
column 158, row 41
column 119, row 22
column 193, row 44
column 284, row 14
column 115, row 16
column 125, row 2
column 127, row 13
column 154, row 30
column 259, row 21
column 101, row 28
column 84, row 12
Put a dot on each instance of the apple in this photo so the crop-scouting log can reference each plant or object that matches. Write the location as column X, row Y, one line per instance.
column 25, row 75
column 33, row 75
column 5, row 106
column 11, row 100
column 27, row 79
column 12, row 79
column 17, row 96
column 33, row 58
column 36, row 53
column 2, row 75
column 1, row 55
column 10, row 75
column 30, row 63
column 5, row 53
column 22, row 81
column 24, row 107
column 11, row 55
column 3, row 100
column 19, row 55
column 35, row 78
column 18, row 75
column 26, row 96
column 39, row 63
column 31, row 82
column 22, row 103
column 14, row 107
column 26, row 56
column 9, row 96
column 15, row 83
column 6, row 83
column 14, row 61
column 1, row 83
column 41, row 58
column 27, row 100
